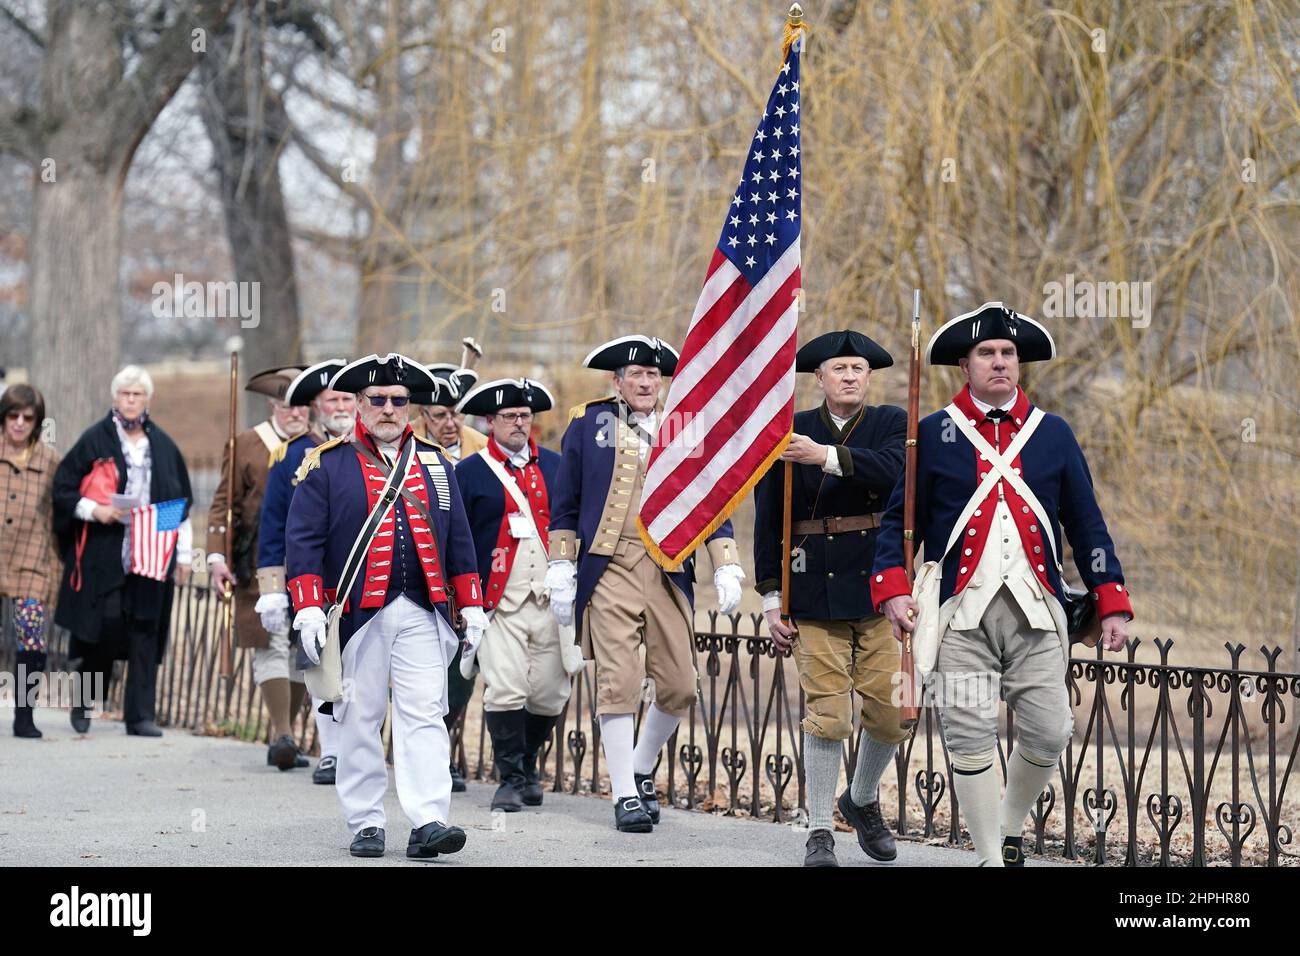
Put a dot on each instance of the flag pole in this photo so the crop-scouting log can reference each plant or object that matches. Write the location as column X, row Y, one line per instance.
column 794, row 25
column 228, row 593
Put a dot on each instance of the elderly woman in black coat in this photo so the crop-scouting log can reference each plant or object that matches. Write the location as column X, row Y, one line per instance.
column 116, row 592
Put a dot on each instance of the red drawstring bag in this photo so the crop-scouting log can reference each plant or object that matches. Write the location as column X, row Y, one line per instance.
column 99, row 485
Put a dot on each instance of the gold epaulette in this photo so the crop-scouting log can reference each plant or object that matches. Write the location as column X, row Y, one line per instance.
column 283, row 449
column 312, row 458
column 577, row 411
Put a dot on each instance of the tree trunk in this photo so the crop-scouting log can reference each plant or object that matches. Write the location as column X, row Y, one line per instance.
column 236, row 107
column 92, row 118
column 75, row 307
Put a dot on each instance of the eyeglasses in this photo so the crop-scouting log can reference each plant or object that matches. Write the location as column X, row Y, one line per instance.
column 21, row 416
column 379, row 401
column 515, row 418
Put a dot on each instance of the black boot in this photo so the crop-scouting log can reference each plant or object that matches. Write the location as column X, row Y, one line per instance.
column 457, row 781
column 507, row 730
column 80, row 722
column 28, row 665
column 536, row 729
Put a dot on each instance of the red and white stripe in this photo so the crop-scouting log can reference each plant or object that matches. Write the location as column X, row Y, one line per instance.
column 730, row 407
column 151, row 549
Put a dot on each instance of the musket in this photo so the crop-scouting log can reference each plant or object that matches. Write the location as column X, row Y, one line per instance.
column 470, row 352
column 908, row 711
column 228, row 593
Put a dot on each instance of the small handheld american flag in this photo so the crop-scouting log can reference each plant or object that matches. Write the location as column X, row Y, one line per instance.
column 154, row 530
column 730, row 407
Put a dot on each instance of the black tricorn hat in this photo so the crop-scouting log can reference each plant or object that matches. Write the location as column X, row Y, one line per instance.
column 311, row 381
column 633, row 350
column 273, row 382
column 391, row 369
column 453, row 383
column 834, row 344
column 992, row 320
column 491, row 397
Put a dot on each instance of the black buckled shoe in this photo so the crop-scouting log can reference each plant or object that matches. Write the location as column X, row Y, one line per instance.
column 873, row 833
column 146, row 728
column 325, row 771
column 1013, row 851
column 630, row 816
column 457, row 781
column 434, row 838
column 283, row 753
column 645, row 788
column 820, row 850
column 369, row 841
column 300, row 760
column 80, row 722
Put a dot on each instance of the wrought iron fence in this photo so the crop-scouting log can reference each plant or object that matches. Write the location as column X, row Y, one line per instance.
column 1169, row 764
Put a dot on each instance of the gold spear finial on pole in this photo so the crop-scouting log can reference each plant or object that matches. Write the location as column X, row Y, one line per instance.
column 796, row 13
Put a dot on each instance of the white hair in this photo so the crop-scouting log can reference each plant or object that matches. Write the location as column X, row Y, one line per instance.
column 131, row 375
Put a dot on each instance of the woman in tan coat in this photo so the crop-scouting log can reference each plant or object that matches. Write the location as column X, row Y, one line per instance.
column 29, row 561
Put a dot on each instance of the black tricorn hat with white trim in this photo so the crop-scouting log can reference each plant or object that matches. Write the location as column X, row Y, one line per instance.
column 391, row 369
column 992, row 320
column 633, row 350
column 491, row 397
column 311, row 381
column 273, row 382
column 453, row 383
column 834, row 344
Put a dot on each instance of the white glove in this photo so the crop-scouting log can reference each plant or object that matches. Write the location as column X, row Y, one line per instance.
column 727, row 578
column 571, row 659
column 310, row 625
column 274, row 611
column 475, row 625
column 562, row 585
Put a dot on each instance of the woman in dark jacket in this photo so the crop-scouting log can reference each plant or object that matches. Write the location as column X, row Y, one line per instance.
column 114, row 600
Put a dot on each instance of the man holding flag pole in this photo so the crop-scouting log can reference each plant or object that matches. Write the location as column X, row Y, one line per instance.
column 729, row 411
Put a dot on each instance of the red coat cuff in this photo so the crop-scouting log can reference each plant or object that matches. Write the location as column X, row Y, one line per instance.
column 887, row 584
column 1112, row 598
column 468, row 591
column 307, row 590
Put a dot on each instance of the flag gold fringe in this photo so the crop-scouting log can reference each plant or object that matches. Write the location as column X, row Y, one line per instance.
column 675, row 564
column 793, row 27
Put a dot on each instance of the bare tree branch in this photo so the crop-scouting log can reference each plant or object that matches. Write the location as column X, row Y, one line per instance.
column 162, row 69
column 23, row 26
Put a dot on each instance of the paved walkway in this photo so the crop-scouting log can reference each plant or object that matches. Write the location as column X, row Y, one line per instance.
column 186, row 800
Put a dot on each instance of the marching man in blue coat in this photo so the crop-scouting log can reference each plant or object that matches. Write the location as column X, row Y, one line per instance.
column 602, row 576
column 996, row 480
column 507, row 488
column 333, row 414
column 848, row 456
column 385, row 511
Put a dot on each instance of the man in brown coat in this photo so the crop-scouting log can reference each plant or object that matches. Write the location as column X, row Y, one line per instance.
column 253, row 450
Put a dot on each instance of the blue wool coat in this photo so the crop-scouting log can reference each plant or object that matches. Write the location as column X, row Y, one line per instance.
column 329, row 506
column 585, row 475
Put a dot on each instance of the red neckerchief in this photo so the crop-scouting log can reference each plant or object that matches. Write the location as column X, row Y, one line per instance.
column 379, row 559
column 1031, row 535
column 533, row 487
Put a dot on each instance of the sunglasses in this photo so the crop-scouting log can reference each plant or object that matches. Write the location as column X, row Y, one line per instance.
column 379, row 401
column 21, row 416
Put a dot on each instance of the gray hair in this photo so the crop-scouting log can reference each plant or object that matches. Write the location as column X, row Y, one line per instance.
column 131, row 375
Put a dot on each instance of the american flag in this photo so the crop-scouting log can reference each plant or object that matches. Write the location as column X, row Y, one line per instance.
column 154, row 530
column 730, row 407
